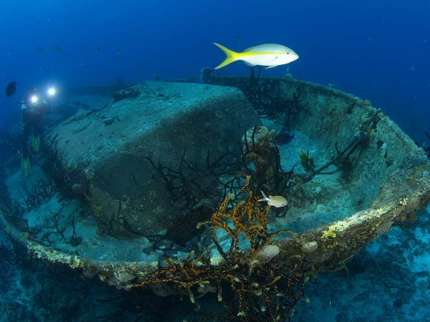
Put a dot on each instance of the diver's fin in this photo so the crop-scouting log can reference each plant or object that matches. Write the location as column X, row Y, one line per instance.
column 36, row 142
column 231, row 56
column 25, row 166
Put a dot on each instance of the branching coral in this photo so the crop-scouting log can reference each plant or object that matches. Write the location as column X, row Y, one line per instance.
column 341, row 162
column 247, row 217
column 270, row 100
column 264, row 287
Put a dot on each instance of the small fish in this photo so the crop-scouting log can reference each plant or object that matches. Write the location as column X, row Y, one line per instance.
column 275, row 201
column 41, row 50
column 332, row 84
column 119, row 51
column 11, row 88
column 270, row 55
column 56, row 48
column 238, row 37
column 98, row 49
column 283, row 138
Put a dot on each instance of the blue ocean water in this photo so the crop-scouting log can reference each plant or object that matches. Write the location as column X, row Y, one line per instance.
column 377, row 50
column 374, row 49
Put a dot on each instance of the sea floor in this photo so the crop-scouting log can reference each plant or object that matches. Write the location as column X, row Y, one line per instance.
column 386, row 281
column 389, row 280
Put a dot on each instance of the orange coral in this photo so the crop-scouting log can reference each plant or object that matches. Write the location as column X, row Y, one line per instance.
column 247, row 217
column 261, row 290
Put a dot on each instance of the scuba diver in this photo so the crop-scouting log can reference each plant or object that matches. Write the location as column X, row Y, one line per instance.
column 33, row 107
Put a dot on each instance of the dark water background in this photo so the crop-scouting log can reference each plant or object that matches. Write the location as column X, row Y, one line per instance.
column 377, row 50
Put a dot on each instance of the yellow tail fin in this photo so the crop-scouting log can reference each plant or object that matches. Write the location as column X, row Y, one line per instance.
column 231, row 56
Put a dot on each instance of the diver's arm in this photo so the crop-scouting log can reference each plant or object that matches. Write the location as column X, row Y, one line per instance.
column 46, row 107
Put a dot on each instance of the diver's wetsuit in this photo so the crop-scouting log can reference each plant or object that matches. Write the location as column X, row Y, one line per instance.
column 32, row 114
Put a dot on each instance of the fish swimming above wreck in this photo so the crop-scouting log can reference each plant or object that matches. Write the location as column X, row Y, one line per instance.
column 58, row 49
column 269, row 55
column 283, row 138
column 41, row 49
column 275, row 201
column 11, row 88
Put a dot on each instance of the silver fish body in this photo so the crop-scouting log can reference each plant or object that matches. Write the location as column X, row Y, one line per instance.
column 275, row 201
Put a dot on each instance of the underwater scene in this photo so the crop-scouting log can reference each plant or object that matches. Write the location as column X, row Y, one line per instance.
column 215, row 161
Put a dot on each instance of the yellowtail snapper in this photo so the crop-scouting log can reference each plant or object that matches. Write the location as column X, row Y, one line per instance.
column 269, row 55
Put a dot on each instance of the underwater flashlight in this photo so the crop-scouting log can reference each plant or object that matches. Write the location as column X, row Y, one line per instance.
column 51, row 91
column 34, row 99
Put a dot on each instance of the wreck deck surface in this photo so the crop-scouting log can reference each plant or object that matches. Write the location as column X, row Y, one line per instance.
column 365, row 176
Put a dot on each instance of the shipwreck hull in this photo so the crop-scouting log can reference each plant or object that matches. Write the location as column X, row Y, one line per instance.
column 356, row 175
